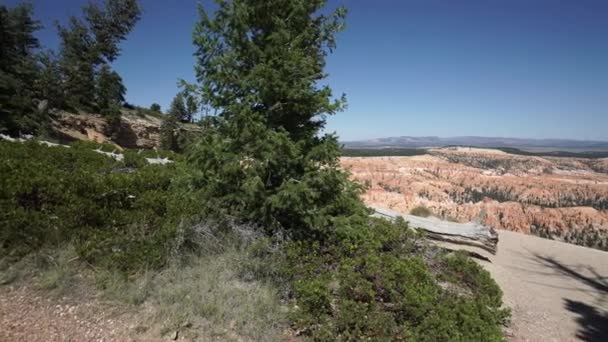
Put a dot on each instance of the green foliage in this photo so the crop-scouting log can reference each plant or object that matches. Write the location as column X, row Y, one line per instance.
column 421, row 211
column 32, row 82
column 77, row 64
column 49, row 84
column 172, row 137
column 112, row 114
column 267, row 57
column 169, row 129
column 87, row 145
column 141, row 111
column 180, row 107
column 384, row 274
column 191, row 107
column 263, row 161
column 458, row 269
column 134, row 159
column 111, row 24
column 51, row 196
column 19, row 71
column 155, row 107
column 110, row 90
column 262, row 176
column 87, row 49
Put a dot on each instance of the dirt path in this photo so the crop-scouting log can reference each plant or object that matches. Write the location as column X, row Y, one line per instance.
column 557, row 291
column 25, row 315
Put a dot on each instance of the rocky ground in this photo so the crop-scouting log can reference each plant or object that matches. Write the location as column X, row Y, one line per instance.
column 137, row 129
column 27, row 315
column 566, row 198
column 31, row 315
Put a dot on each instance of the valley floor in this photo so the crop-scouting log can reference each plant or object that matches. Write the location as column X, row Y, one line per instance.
column 557, row 291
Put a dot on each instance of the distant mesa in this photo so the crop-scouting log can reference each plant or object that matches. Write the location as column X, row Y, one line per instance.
column 533, row 145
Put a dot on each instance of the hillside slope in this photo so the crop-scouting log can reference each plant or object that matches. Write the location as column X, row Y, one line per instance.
column 137, row 130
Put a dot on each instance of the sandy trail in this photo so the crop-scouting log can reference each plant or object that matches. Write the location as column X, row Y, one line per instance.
column 557, row 291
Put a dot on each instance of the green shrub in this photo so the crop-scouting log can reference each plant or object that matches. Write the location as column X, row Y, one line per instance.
column 459, row 269
column 421, row 211
column 92, row 145
column 52, row 196
column 263, row 176
column 158, row 153
column 384, row 275
column 134, row 159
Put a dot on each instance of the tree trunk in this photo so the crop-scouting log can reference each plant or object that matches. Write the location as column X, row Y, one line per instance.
column 471, row 233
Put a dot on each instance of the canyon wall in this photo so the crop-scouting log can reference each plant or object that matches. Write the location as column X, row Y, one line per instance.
column 561, row 198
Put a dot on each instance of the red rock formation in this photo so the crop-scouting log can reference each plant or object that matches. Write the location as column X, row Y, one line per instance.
column 513, row 192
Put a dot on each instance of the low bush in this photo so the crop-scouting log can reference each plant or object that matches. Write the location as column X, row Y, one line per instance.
column 386, row 284
column 52, row 196
column 421, row 211
column 92, row 145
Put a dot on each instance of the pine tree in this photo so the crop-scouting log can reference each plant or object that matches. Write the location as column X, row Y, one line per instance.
column 169, row 129
column 18, row 70
column 267, row 57
column 49, row 84
column 90, row 45
column 168, row 137
column 155, row 107
column 78, row 64
column 111, row 24
column 191, row 108
column 110, row 90
column 262, row 161
column 178, row 108
column 258, row 66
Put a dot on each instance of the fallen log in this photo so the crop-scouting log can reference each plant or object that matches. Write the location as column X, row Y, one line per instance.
column 470, row 234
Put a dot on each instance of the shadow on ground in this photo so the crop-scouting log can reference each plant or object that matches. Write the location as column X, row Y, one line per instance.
column 593, row 322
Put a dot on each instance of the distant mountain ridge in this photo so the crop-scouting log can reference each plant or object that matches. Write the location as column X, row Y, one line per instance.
column 487, row 142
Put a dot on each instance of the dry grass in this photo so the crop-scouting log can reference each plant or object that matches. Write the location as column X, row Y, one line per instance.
column 59, row 270
column 55, row 271
column 209, row 296
column 203, row 297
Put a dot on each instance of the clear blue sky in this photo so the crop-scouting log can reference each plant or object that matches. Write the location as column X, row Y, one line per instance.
column 516, row 68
